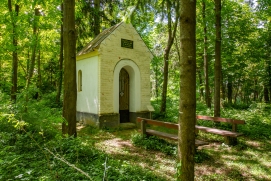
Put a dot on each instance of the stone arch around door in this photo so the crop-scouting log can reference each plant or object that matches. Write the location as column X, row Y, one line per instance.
column 134, row 85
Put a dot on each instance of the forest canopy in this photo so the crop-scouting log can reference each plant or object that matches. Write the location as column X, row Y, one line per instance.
column 230, row 72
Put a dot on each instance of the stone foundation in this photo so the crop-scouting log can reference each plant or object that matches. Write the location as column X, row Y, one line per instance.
column 111, row 120
column 99, row 121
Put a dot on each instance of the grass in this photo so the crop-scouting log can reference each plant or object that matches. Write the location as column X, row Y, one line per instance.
column 122, row 154
column 249, row 160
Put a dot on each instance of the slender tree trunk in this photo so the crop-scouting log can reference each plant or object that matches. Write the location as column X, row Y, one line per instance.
column 171, row 36
column 60, row 77
column 70, row 92
column 97, row 17
column 237, row 92
column 223, row 89
column 156, row 81
column 201, row 85
column 255, row 96
column 217, row 58
column 33, row 56
column 39, row 77
column 165, row 84
column 34, row 48
column 14, row 53
column 187, row 109
column 27, row 62
column 205, row 57
column 269, row 78
column 266, row 94
column 229, row 86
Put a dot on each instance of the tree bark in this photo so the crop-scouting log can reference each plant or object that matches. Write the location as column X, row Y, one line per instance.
column 229, row 86
column 14, row 53
column 266, row 94
column 200, row 85
column 171, row 36
column 205, row 57
column 60, row 71
column 217, row 58
column 187, row 108
column 255, row 91
column 34, row 48
column 223, row 87
column 237, row 92
column 96, row 18
column 39, row 77
column 70, row 96
column 33, row 56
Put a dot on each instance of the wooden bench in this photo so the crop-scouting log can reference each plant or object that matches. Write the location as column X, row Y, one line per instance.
column 145, row 131
column 230, row 136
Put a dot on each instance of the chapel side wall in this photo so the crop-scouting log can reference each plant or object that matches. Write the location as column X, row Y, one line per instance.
column 87, row 99
column 111, row 53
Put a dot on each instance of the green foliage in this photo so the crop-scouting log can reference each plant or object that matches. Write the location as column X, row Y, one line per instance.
column 172, row 109
column 154, row 143
column 32, row 148
column 201, row 156
column 24, row 159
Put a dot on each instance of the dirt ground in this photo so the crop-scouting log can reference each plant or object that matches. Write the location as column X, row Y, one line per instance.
column 221, row 163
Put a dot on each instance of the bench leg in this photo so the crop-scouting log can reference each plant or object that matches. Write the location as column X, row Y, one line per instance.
column 230, row 140
column 143, row 128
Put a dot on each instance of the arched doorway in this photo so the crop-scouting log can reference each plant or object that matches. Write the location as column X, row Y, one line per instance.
column 124, row 96
column 134, row 90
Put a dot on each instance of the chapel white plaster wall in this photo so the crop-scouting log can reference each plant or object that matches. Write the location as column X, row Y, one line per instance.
column 87, row 99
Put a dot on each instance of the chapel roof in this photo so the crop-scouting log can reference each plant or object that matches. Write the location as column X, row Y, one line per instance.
column 98, row 40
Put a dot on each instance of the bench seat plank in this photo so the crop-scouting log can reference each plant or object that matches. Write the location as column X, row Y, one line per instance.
column 219, row 119
column 218, row 131
column 172, row 136
column 159, row 123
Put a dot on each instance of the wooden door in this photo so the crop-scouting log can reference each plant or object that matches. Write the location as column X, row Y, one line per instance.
column 124, row 96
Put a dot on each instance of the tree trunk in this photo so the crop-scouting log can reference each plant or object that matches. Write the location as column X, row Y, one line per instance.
column 14, row 53
column 223, row 89
column 156, row 81
column 205, row 57
column 187, row 109
column 217, row 58
column 96, row 18
column 34, row 48
column 229, row 86
column 60, row 74
column 171, row 36
column 200, row 85
column 266, row 94
column 39, row 77
column 70, row 96
column 33, row 56
column 269, row 78
column 237, row 92
column 255, row 96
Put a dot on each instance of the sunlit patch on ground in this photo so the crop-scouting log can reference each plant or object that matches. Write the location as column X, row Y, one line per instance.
column 246, row 161
column 159, row 163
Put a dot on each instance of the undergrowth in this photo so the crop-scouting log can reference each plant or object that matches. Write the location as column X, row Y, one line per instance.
column 158, row 144
column 154, row 143
column 256, row 115
column 32, row 148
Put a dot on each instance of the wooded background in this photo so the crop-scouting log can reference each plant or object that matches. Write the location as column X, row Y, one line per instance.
column 31, row 61
column 227, row 60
